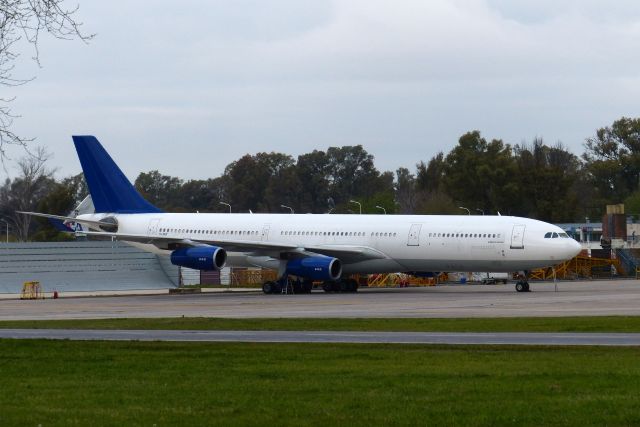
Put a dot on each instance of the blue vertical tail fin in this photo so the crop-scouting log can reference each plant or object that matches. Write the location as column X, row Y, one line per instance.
column 110, row 189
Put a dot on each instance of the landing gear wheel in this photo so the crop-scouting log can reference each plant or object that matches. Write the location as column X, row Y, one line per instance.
column 526, row 287
column 520, row 286
column 297, row 287
column 327, row 286
column 352, row 285
column 267, row 287
column 307, row 286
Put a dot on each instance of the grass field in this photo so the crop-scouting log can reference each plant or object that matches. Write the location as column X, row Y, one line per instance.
column 63, row 383
column 533, row 324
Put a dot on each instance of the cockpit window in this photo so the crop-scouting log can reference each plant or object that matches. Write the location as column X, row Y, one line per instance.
column 548, row 235
column 564, row 235
column 554, row 236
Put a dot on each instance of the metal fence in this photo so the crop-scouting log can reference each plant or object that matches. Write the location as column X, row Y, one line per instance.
column 83, row 266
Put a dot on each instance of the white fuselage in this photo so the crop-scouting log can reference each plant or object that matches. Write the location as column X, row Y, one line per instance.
column 420, row 243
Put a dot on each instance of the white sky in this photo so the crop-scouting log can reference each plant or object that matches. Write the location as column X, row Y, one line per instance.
column 187, row 87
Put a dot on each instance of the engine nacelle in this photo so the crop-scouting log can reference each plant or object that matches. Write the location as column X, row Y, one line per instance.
column 315, row 268
column 200, row 258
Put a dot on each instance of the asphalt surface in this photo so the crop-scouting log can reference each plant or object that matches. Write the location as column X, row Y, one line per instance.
column 589, row 298
column 552, row 339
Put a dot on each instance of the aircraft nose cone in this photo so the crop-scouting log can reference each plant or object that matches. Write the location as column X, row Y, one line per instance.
column 574, row 249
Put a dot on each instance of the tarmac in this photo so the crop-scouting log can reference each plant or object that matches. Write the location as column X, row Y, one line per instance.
column 463, row 338
column 579, row 298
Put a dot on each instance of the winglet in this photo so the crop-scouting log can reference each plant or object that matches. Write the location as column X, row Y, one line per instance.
column 110, row 189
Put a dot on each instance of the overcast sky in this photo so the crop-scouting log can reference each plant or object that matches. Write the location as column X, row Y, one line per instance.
column 188, row 86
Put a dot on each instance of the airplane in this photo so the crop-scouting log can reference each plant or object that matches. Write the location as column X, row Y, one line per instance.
column 313, row 247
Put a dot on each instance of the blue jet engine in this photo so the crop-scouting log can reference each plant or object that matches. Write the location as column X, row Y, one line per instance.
column 315, row 268
column 200, row 258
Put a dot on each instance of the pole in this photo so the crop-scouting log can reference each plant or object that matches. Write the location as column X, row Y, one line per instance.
column 226, row 204
column 359, row 205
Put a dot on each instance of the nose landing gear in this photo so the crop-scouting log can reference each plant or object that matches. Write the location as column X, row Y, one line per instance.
column 522, row 285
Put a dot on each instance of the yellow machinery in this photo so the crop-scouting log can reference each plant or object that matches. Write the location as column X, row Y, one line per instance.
column 252, row 278
column 31, row 290
column 578, row 267
column 401, row 279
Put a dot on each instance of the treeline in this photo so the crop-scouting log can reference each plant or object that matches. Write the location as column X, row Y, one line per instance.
column 531, row 179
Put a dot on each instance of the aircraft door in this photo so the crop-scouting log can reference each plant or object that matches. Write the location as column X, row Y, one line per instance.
column 265, row 232
column 517, row 237
column 414, row 235
column 153, row 227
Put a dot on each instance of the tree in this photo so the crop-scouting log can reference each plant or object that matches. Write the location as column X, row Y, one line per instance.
column 405, row 187
column 202, row 195
column 160, row 190
column 312, row 170
column 547, row 176
column 480, row 174
column 431, row 194
column 60, row 200
column 24, row 192
column 351, row 173
column 612, row 159
column 249, row 177
column 25, row 21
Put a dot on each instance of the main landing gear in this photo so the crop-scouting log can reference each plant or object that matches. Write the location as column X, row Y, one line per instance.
column 298, row 286
column 343, row 285
column 522, row 285
column 287, row 286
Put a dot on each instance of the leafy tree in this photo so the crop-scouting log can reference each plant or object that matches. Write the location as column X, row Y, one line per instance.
column 313, row 171
column 612, row 159
column 60, row 200
column 352, row 173
column 432, row 197
column 202, row 195
column 160, row 190
column 480, row 174
column 405, row 189
column 248, row 179
column 547, row 177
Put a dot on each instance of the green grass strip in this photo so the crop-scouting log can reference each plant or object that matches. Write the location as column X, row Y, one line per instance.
column 63, row 383
column 529, row 324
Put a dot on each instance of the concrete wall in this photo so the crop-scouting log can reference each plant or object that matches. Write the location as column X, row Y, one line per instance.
column 83, row 266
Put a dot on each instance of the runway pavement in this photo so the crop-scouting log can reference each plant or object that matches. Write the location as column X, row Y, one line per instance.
column 553, row 339
column 593, row 298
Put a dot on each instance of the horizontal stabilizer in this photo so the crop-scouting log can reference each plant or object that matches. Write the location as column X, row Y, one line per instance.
column 68, row 218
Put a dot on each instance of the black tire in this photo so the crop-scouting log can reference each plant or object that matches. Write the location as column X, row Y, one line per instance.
column 297, row 287
column 520, row 287
column 526, row 287
column 277, row 288
column 327, row 286
column 307, row 286
column 338, row 286
column 267, row 287
column 352, row 285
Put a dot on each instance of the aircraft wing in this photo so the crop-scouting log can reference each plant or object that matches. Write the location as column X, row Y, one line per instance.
column 347, row 253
